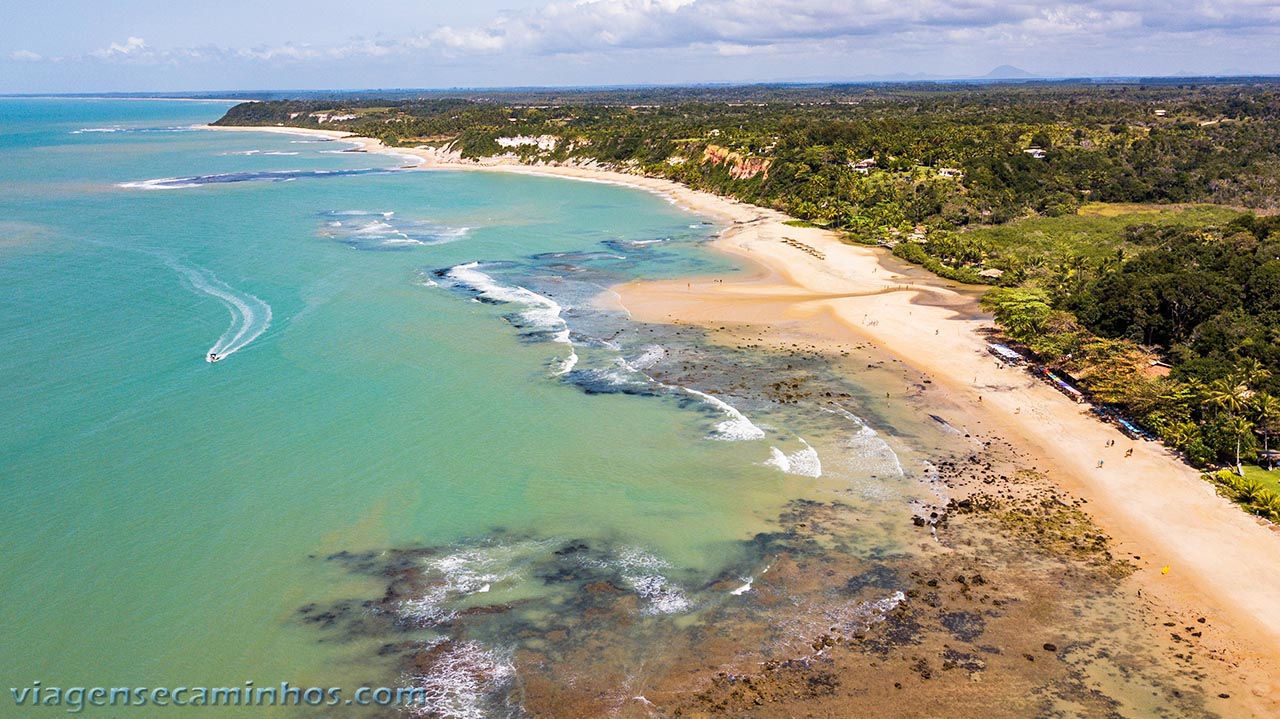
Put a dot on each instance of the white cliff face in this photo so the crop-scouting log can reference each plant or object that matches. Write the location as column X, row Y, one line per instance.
column 544, row 143
column 323, row 117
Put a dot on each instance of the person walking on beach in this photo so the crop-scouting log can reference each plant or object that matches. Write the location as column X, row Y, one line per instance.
column 1129, row 452
column 1099, row 464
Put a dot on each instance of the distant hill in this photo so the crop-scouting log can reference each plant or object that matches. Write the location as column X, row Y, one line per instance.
column 1008, row 72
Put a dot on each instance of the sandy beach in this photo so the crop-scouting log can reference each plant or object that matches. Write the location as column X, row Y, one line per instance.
column 1198, row 554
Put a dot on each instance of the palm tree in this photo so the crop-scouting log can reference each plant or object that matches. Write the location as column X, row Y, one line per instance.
column 1267, row 503
column 1180, row 395
column 1182, row 434
column 1239, row 428
column 1250, row 490
column 1196, row 389
column 1266, row 415
column 1226, row 394
column 1249, row 372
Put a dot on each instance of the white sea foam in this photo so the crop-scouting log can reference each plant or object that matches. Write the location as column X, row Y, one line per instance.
column 870, row 612
column 466, row 681
column 662, row 596
column 778, row 458
column 804, row 461
column 250, row 316
column 176, row 183
column 121, row 128
column 867, row 444
column 567, row 364
column 852, row 618
column 462, row 573
column 540, row 312
column 653, row 354
column 160, row 183
column 642, row 571
column 376, row 230
column 736, row 427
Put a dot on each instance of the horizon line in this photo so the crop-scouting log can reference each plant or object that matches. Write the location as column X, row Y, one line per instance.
column 231, row 94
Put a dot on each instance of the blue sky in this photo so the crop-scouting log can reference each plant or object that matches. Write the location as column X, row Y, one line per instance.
column 159, row 45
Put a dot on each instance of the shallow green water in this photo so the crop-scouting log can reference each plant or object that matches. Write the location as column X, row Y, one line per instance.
column 159, row 510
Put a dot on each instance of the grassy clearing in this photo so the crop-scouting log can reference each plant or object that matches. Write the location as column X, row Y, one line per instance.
column 1269, row 480
column 1095, row 232
column 1257, row 492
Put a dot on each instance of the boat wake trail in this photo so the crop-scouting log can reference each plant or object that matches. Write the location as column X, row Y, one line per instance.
column 250, row 316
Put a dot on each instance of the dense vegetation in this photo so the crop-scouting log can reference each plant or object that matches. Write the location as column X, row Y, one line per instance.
column 796, row 148
column 1204, row 299
column 1114, row 216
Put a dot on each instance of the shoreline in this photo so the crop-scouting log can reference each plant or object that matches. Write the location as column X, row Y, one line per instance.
column 1223, row 563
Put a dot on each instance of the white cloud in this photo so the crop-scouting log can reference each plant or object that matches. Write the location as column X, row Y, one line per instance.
column 25, row 56
column 728, row 28
column 473, row 40
column 132, row 47
column 731, row 49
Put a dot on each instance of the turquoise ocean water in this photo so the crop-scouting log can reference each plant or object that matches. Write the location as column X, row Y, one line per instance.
column 410, row 359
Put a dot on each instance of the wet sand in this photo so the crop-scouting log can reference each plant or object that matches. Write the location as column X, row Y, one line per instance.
column 1222, row 562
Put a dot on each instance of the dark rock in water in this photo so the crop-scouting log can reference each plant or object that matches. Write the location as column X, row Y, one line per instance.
column 953, row 659
column 900, row 628
column 966, row 626
column 486, row 609
column 571, row 548
column 601, row 587
column 393, row 649
column 597, row 381
column 885, row 578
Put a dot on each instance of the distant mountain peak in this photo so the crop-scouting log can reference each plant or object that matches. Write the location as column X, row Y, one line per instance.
column 1008, row 72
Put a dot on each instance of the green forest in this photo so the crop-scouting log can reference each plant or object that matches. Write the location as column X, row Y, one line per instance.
column 1127, row 226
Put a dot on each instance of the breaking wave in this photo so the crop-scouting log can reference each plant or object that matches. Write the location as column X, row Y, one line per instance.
column 867, row 444
column 736, row 427
column 803, row 462
column 179, row 183
column 121, row 128
column 466, row 680
column 382, row 231
column 540, row 316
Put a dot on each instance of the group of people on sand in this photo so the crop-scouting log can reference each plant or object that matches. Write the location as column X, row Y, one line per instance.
column 1111, row 443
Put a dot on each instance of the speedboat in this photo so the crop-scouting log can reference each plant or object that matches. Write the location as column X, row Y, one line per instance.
column 213, row 357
